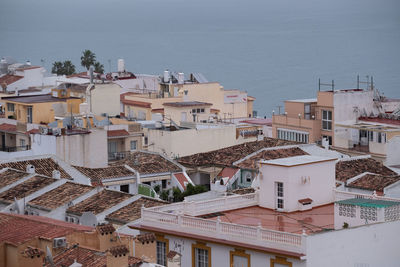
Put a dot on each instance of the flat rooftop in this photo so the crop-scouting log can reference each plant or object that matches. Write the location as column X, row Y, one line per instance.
column 312, row 221
column 370, row 203
column 297, row 160
column 36, row 99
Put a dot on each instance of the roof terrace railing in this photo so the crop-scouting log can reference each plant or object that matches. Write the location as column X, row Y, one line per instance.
column 342, row 195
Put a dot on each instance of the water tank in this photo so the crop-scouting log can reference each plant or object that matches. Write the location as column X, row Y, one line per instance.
column 121, row 65
column 181, row 78
column 166, row 76
column 28, row 63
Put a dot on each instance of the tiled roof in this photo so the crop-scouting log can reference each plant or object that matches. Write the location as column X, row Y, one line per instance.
column 374, row 182
column 33, row 131
column 267, row 122
column 44, row 166
column 171, row 254
column 60, row 195
column 26, row 188
column 132, row 211
column 10, row 176
column 99, row 202
column 116, row 133
column 106, row 173
column 251, row 163
column 148, row 163
column 5, row 127
column 228, row 172
column 380, row 120
column 305, row 201
column 17, row 229
column 9, row 79
column 347, row 169
column 86, row 257
column 181, row 179
column 227, row 156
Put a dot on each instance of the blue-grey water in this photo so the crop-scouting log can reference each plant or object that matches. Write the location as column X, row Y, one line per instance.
column 274, row 49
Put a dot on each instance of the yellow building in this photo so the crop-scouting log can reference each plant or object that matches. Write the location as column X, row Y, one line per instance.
column 40, row 109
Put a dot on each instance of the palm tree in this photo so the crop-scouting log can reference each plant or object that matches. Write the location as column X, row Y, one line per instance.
column 68, row 67
column 88, row 58
column 57, row 68
column 98, row 67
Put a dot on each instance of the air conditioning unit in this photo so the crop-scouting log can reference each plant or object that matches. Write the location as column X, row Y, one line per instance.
column 59, row 242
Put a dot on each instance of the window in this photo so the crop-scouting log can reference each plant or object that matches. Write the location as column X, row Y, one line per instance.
column 307, row 111
column 239, row 258
column 280, row 262
column 292, row 135
column 198, row 110
column 29, row 114
column 326, row 120
column 22, row 142
column 162, row 253
column 201, row 255
column 279, row 195
column 164, row 184
column 10, row 107
column 124, row 188
column 371, row 136
column 381, row 137
column 133, row 145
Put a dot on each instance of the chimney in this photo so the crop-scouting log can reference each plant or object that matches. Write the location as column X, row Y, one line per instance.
column 181, row 78
column 117, row 256
column 30, row 168
column 185, row 96
column 56, row 174
column 32, row 257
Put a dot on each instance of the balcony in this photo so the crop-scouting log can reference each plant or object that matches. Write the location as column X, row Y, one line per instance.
column 286, row 120
column 117, row 155
column 180, row 217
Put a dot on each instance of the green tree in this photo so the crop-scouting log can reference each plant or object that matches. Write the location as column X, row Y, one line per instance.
column 88, row 58
column 63, row 68
column 98, row 67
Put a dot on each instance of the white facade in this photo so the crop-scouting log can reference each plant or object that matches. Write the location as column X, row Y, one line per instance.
column 302, row 177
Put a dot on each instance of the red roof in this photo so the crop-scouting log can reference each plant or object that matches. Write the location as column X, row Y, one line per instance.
column 9, row 79
column 136, row 103
column 5, row 127
column 17, row 229
column 33, row 131
column 228, row 172
column 380, row 120
column 79, row 75
column 116, row 133
column 181, row 179
column 157, row 110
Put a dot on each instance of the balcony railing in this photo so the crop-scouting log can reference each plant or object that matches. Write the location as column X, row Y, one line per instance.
column 181, row 217
column 342, row 195
column 117, row 155
column 14, row 148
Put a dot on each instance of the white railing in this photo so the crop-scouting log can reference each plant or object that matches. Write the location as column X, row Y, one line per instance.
column 342, row 195
column 197, row 208
column 228, row 231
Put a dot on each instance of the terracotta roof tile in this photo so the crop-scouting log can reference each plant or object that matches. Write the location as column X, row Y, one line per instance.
column 33, row 227
column 44, row 166
column 35, row 99
column 227, row 156
column 105, row 229
column 136, row 103
column 181, row 179
column 227, row 172
column 171, row 254
column 9, row 79
column 118, row 250
column 106, row 173
column 347, row 169
column 251, row 163
column 86, row 257
column 187, row 104
column 380, row 120
column 132, row 211
column 26, row 188
column 146, row 238
column 305, row 201
column 60, row 195
column 99, row 202
column 116, row 133
column 11, row 176
column 5, row 127
column 374, row 182
column 148, row 163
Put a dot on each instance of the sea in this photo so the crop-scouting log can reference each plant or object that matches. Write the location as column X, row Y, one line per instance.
column 273, row 49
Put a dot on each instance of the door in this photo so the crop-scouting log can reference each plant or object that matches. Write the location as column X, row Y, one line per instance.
column 29, row 114
column 279, row 204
